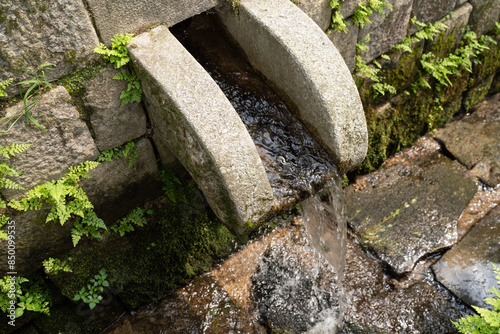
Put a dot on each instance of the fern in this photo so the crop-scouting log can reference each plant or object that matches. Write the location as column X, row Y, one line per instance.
column 361, row 15
column 173, row 187
column 118, row 55
column 65, row 196
column 3, row 85
column 89, row 225
column 129, row 150
column 133, row 92
column 135, row 217
column 337, row 21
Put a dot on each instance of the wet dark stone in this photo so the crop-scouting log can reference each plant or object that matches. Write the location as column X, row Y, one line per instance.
column 409, row 209
column 376, row 303
column 296, row 164
column 475, row 142
column 290, row 298
column 466, row 269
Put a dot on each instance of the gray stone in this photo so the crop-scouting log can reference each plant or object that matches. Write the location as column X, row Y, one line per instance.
column 35, row 241
column 114, row 17
column 115, row 186
column 386, row 30
column 376, row 303
column 318, row 10
column 113, row 125
column 474, row 140
column 192, row 116
column 303, row 64
column 466, row 269
column 484, row 15
column 66, row 141
column 348, row 7
column 428, row 11
column 346, row 43
column 58, row 32
column 446, row 42
column 399, row 211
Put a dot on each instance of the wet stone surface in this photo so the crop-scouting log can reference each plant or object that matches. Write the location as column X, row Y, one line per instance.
column 295, row 163
column 472, row 142
column 377, row 303
column 466, row 269
column 276, row 282
column 411, row 207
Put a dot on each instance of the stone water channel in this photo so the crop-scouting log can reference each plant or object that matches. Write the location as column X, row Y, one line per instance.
column 422, row 233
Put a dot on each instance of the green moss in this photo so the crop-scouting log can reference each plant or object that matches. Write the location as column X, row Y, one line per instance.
column 489, row 63
column 478, row 93
column 75, row 84
column 178, row 243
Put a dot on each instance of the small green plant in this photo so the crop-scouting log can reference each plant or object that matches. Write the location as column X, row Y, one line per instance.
column 128, row 150
column 65, row 196
column 133, row 92
column 337, row 23
column 372, row 71
column 89, row 225
column 31, row 97
column 30, row 297
column 361, row 16
column 3, row 85
column 118, row 54
column 7, row 171
column 126, row 224
column 235, row 5
column 53, row 266
column 487, row 321
column 173, row 187
column 91, row 294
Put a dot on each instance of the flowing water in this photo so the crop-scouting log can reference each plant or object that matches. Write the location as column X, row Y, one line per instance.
column 296, row 164
column 278, row 282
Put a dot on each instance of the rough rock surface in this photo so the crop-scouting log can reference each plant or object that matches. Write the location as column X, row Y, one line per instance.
column 444, row 43
column 428, row 11
column 232, row 299
column 118, row 186
column 66, row 141
column 349, row 6
column 319, row 11
column 113, row 125
column 35, row 241
column 377, row 303
column 193, row 118
column 346, row 43
column 484, row 15
column 400, row 211
column 386, row 30
column 466, row 268
column 303, row 64
column 58, row 32
column 474, row 140
column 114, row 17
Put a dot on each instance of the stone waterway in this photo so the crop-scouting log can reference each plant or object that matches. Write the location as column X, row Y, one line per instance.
column 295, row 163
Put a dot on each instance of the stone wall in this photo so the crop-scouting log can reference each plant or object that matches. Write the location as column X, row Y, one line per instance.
column 83, row 117
column 396, row 119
